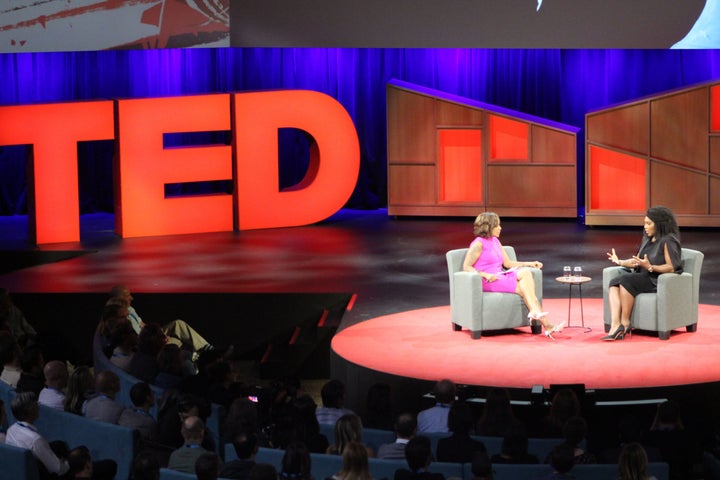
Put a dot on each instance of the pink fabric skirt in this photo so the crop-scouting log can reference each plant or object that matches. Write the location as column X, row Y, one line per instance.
column 505, row 283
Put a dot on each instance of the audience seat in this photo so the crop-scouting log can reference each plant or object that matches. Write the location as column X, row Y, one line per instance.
column 18, row 463
column 167, row 474
column 105, row 440
column 579, row 472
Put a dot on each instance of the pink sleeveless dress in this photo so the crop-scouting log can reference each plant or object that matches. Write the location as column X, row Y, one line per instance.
column 490, row 261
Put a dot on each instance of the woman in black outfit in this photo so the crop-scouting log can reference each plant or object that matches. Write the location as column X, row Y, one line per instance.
column 659, row 253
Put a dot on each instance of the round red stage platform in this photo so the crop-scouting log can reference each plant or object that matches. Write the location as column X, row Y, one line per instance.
column 421, row 344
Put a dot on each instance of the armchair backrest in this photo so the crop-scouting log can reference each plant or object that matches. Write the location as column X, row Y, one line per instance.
column 692, row 264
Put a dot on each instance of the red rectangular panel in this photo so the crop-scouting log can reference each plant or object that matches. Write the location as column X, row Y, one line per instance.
column 461, row 166
column 508, row 139
column 617, row 181
column 715, row 108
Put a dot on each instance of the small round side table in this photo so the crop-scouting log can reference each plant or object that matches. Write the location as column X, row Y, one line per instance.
column 570, row 282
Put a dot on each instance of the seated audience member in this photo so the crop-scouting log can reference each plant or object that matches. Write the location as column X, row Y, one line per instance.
column 418, row 453
column 183, row 459
column 23, row 433
column 124, row 340
column 31, row 363
column 497, row 417
column 10, row 358
column 629, row 431
column 144, row 365
column 113, row 315
column 296, row 463
column 82, row 466
column 459, row 447
column 170, row 367
column 102, row 406
column 145, row 466
column 565, row 404
column 575, row 431
column 207, row 466
column 79, row 390
column 177, row 409
column 139, row 417
column 481, row 467
column 297, row 422
column 263, row 471
column 355, row 463
column 561, row 461
column 514, row 447
column 379, row 411
column 177, row 331
column 246, row 446
column 434, row 419
column 405, row 429
column 333, row 401
column 632, row 464
column 56, row 381
column 347, row 429
column 676, row 445
column 12, row 319
column 241, row 417
column 307, row 429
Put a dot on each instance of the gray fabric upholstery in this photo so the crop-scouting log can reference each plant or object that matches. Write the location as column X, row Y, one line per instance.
column 478, row 311
column 675, row 305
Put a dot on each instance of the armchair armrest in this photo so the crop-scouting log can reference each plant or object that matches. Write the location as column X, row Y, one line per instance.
column 468, row 287
column 676, row 306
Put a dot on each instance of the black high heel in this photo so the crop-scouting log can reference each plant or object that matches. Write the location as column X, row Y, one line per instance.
column 618, row 334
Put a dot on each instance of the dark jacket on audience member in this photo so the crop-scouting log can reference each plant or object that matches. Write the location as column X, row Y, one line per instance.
column 237, row 469
column 405, row 474
column 458, row 448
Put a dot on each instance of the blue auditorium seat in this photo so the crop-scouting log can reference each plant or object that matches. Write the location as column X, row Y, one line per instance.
column 105, row 440
column 17, row 463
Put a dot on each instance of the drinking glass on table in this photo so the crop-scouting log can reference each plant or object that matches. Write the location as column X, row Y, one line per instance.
column 567, row 271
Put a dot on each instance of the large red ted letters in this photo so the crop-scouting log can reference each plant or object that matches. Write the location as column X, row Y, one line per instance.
column 143, row 166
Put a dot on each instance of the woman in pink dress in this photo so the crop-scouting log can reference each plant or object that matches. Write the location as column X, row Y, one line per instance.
column 487, row 258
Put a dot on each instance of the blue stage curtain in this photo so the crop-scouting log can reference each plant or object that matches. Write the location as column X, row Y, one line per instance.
column 561, row 85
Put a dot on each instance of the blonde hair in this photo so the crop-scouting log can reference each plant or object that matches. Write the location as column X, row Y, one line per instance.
column 484, row 224
column 355, row 463
column 632, row 464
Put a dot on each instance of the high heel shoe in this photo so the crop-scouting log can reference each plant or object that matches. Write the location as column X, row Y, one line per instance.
column 618, row 334
column 554, row 329
column 537, row 315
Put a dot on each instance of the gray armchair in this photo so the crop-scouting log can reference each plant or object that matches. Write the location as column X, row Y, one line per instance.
column 675, row 305
column 479, row 311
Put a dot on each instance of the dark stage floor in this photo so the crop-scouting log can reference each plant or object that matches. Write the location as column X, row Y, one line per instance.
column 379, row 264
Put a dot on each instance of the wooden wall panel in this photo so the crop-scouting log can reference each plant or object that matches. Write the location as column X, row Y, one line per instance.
column 410, row 141
column 552, row 146
column 684, row 191
column 683, row 157
column 437, row 143
column 714, row 196
column 624, row 128
column 412, row 184
column 451, row 114
column 679, row 128
column 519, row 185
column 715, row 155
